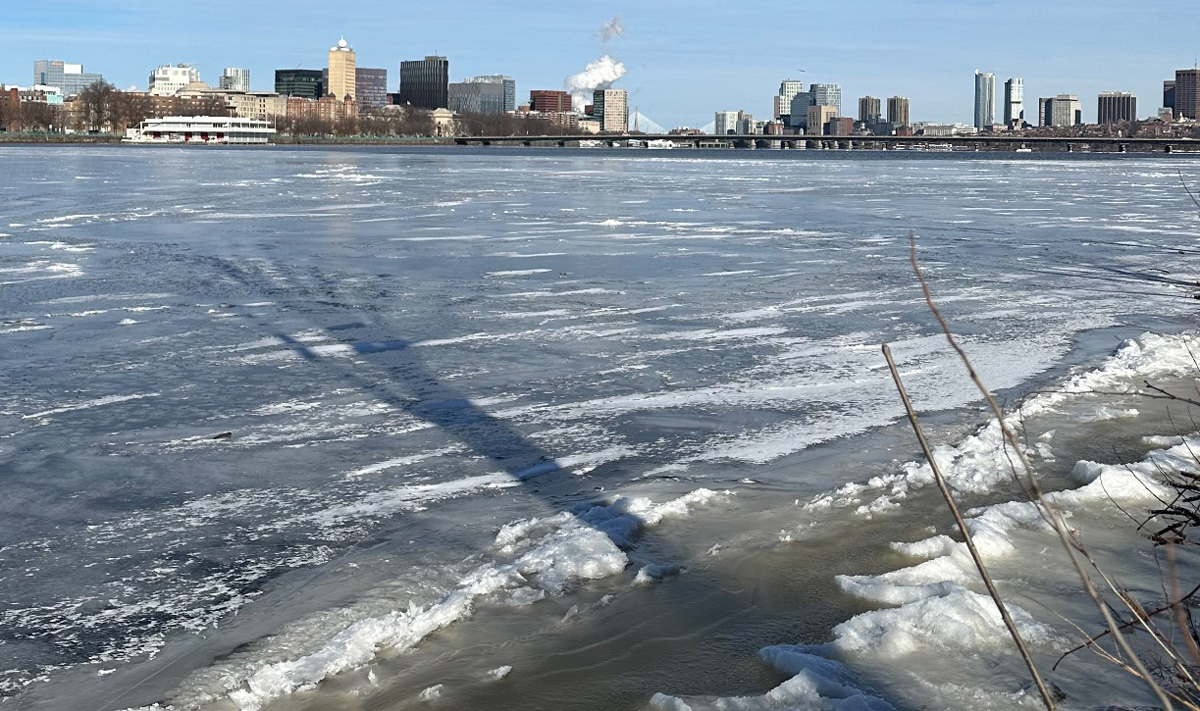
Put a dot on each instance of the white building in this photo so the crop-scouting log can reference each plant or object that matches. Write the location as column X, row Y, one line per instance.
column 611, row 107
column 167, row 80
column 1014, row 100
column 788, row 88
column 725, row 122
column 985, row 99
column 235, row 79
column 1065, row 110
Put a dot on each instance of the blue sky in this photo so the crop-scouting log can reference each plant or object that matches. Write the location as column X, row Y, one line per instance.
column 685, row 58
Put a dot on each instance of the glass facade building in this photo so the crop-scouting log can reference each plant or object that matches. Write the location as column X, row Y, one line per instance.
column 425, row 83
column 69, row 78
column 985, row 99
column 370, row 87
column 305, row 83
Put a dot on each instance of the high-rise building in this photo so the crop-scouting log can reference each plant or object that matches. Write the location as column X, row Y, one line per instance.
column 304, row 83
column 69, row 78
column 342, row 77
column 370, row 87
column 235, row 79
column 1169, row 95
column 425, row 83
column 168, row 80
column 611, row 107
column 725, row 122
column 1014, row 100
column 985, row 99
column 549, row 101
column 826, row 95
column 1115, row 107
column 1187, row 93
column 898, row 110
column 799, row 109
column 1063, row 110
column 869, row 109
column 1044, row 111
column 788, row 89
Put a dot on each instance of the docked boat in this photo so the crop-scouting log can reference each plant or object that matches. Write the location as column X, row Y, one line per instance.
column 202, row 130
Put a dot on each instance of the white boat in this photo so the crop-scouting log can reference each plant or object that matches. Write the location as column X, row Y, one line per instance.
column 660, row 143
column 203, row 130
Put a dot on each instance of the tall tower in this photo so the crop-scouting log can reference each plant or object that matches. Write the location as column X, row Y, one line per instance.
column 1187, row 93
column 868, row 109
column 985, row 99
column 342, row 82
column 897, row 110
column 1014, row 100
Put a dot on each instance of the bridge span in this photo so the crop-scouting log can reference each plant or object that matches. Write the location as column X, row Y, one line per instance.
column 982, row 142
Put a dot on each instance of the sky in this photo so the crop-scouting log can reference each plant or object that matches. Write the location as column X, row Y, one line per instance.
column 685, row 59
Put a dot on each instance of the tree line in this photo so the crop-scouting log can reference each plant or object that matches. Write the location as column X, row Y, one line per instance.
column 102, row 107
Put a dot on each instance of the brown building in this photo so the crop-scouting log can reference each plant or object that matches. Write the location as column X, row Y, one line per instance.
column 1187, row 93
column 546, row 101
column 841, row 126
column 1116, row 107
column 897, row 110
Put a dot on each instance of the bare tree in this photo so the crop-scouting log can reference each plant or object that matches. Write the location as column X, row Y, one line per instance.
column 96, row 106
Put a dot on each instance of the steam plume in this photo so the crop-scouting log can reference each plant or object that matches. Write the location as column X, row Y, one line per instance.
column 598, row 74
column 613, row 28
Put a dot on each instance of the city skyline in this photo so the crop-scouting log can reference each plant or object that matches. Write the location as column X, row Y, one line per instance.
column 676, row 54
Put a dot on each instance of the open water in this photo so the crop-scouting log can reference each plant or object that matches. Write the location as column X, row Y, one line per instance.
column 375, row 428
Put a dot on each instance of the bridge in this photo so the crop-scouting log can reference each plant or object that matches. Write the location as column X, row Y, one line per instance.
column 982, row 142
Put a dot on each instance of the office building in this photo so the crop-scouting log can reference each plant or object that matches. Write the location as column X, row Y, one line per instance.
column 897, row 111
column 1169, row 96
column 425, row 83
column 985, row 99
column 826, row 95
column 611, row 108
column 1014, row 100
column 370, row 87
column 303, row 83
column 869, row 109
column 799, row 110
column 818, row 116
column 70, row 79
column 548, row 101
column 343, row 78
column 788, row 89
column 725, row 122
column 1061, row 110
column 235, row 79
column 1115, row 107
column 490, row 95
column 1187, row 94
column 169, row 80
column 841, row 126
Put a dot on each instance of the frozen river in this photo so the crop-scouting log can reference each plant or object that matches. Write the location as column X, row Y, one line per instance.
column 338, row 428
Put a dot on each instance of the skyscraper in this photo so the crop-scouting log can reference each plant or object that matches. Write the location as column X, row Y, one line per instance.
column 234, row 79
column 342, row 76
column 1115, row 107
column 1064, row 110
column 69, row 78
column 826, row 95
column 985, row 99
column 611, row 107
column 1169, row 95
column 424, row 83
column 1014, row 100
column 1187, row 93
column 868, row 109
column 898, row 110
